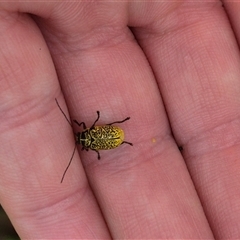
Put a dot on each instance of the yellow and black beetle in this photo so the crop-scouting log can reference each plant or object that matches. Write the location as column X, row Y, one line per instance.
column 97, row 137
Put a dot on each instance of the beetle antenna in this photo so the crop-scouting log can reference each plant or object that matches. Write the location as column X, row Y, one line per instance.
column 63, row 112
column 69, row 163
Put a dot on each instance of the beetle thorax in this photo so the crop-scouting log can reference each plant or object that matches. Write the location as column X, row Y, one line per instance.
column 83, row 138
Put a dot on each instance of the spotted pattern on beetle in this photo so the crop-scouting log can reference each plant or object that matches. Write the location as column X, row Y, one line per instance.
column 102, row 137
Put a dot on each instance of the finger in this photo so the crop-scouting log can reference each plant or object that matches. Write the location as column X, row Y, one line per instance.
column 199, row 79
column 35, row 146
column 135, row 186
column 232, row 10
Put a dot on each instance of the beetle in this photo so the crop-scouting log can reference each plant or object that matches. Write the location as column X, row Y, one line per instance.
column 96, row 137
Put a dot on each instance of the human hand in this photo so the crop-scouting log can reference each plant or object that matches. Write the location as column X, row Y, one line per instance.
column 175, row 73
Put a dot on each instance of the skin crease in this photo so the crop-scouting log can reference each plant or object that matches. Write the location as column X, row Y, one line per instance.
column 173, row 67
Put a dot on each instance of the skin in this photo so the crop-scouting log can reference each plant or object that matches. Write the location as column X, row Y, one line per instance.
column 175, row 72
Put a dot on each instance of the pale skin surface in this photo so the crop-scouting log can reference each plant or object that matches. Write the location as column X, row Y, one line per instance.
column 184, row 55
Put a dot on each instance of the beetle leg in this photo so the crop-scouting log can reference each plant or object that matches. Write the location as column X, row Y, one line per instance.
column 119, row 121
column 98, row 116
column 97, row 153
column 79, row 124
column 127, row 143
